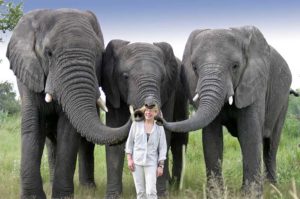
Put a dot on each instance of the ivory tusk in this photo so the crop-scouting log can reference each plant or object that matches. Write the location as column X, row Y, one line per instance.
column 101, row 104
column 48, row 98
column 131, row 112
column 196, row 97
column 230, row 100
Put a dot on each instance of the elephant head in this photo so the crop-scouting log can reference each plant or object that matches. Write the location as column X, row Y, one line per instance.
column 138, row 73
column 58, row 53
column 222, row 66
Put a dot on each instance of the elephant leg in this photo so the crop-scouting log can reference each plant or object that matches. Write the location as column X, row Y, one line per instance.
column 51, row 127
column 162, row 181
column 115, row 153
column 270, row 146
column 250, row 139
column 178, row 140
column 33, row 140
column 212, row 139
column 86, row 163
column 51, row 151
column 67, row 147
column 114, row 163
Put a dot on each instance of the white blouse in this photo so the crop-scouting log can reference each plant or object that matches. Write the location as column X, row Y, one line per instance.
column 146, row 153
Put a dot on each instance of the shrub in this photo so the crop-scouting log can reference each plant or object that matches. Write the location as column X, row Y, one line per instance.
column 8, row 102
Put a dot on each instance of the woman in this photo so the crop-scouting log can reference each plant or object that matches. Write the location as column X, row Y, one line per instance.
column 146, row 150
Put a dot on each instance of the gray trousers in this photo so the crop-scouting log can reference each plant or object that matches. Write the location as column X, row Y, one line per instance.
column 145, row 181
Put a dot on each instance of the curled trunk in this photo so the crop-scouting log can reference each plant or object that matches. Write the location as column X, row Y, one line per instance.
column 211, row 100
column 78, row 99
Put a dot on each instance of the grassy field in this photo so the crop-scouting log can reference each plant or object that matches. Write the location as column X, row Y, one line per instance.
column 288, row 166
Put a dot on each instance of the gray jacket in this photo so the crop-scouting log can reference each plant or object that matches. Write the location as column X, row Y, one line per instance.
column 146, row 153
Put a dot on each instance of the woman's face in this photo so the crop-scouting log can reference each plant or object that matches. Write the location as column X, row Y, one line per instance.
column 150, row 114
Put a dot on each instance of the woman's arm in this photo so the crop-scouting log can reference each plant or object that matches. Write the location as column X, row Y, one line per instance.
column 162, row 148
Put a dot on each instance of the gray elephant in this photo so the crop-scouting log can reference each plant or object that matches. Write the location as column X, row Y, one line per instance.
column 236, row 79
column 56, row 55
column 133, row 73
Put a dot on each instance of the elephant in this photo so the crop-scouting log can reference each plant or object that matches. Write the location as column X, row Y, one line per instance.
column 56, row 56
column 134, row 73
column 234, row 78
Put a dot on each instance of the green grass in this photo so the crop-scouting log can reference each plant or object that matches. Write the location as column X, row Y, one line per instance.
column 288, row 166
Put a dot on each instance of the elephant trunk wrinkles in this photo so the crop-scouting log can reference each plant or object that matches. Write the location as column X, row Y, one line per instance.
column 78, row 99
column 212, row 95
column 148, row 85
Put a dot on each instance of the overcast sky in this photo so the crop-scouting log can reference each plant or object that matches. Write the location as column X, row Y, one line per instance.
column 172, row 21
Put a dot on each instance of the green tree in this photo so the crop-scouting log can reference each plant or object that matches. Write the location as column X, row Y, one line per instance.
column 10, row 14
column 8, row 102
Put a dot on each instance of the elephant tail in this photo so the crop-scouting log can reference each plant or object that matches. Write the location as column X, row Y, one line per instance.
column 293, row 92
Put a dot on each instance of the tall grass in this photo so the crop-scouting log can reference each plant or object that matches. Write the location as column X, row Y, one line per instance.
column 194, row 182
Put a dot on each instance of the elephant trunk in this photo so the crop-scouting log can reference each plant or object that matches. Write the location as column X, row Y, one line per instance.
column 76, row 93
column 148, row 90
column 212, row 94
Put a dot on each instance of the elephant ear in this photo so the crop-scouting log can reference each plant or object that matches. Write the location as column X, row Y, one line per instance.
column 99, row 38
column 22, row 56
column 253, row 82
column 188, row 76
column 109, row 79
column 171, row 66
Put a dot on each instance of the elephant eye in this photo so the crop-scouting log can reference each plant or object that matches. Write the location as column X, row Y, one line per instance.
column 48, row 52
column 235, row 66
column 194, row 67
column 125, row 75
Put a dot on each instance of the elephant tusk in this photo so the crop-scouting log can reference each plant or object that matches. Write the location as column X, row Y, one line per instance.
column 48, row 98
column 131, row 112
column 101, row 104
column 196, row 97
column 230, row 100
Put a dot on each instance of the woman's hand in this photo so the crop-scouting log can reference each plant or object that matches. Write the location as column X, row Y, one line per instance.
column 159, row 171
column 130, row 162
column 131, row 165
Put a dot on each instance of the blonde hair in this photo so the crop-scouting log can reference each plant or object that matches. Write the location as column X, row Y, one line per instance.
column 143, row 109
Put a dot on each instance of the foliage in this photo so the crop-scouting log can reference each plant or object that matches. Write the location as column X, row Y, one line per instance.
column 3, row 117
column 8, row 103
column 10, row 14
column 294, row 106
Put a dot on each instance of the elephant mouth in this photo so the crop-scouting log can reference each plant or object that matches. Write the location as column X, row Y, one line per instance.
column 149, row 102
column 138, row 115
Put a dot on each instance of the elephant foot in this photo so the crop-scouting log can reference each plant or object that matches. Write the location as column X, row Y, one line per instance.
column 88, row 184
column 65, row 194
column 271, row 179
column 63, row 197
column 40, row 196
column 215, row 187
column 174, row 183
column 252, row 190
column 113, row 196
column 162, row 195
